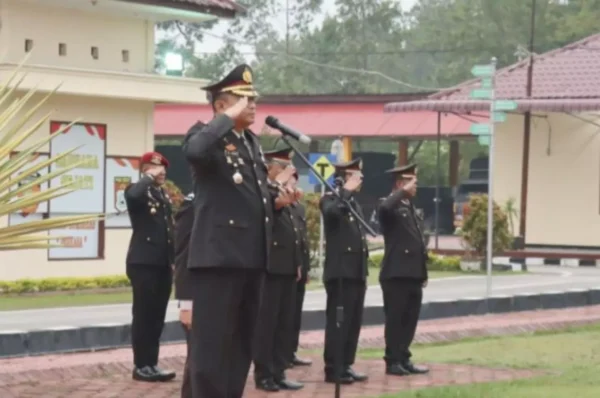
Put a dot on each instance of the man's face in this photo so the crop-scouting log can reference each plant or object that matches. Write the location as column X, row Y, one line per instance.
column 246, row 118
column 402, row 181
column 352, row 173
column 161, row 177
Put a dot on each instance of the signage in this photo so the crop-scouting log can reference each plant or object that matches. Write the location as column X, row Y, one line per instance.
column 120, row 172
column 479, row 128
column 505, row 105
column 483, row 70
column 88, row 196
column 481, row 93
column 323, row 164
column 80, row 241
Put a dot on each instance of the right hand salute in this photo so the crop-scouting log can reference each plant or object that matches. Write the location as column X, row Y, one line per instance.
column 353, row 182
column 287, row 173
column 236, row 110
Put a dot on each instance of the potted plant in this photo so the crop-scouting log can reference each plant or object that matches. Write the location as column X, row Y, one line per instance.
column 474, row 230
column 512, row 213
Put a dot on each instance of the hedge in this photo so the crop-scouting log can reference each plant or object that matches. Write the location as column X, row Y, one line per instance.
column 435, row 263
column 21, row 286
column 62, row 284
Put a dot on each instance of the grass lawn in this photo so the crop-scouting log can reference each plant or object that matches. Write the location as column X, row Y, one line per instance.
column 572, row 355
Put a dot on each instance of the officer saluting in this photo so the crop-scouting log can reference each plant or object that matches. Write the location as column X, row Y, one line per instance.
column 403, row 271
column 229, row 248
column 149, row 261
column 346, row 256
column 275, row 321
column 299, row 217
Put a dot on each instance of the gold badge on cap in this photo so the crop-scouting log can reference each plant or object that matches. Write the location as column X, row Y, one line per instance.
column 292, row 153
column 156, row 160
column 360, row 164
column 247, row 76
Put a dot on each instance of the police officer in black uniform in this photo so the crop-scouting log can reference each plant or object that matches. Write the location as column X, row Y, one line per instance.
column 275, row 321
column 299, row 217
column 149, row 265
column 184, row 220
column 230, row 242
column 403, row 271
column 346, row 268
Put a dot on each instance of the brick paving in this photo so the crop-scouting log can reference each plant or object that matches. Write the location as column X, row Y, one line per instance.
column 106, row 374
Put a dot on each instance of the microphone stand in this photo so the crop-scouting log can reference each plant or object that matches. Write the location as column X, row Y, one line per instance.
column 339, row 310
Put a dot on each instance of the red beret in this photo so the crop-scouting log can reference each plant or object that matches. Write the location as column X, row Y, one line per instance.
column 154, row 158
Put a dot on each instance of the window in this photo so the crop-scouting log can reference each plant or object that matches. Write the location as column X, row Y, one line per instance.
column 28, row 45
column 62, row 49
column 125, row 55
column 95, row 53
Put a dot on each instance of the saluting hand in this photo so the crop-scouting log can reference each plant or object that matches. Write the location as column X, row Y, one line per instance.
column 185, row 317
column 353, row 182
column 287, row 173
column 411, row 186
column 236, row 109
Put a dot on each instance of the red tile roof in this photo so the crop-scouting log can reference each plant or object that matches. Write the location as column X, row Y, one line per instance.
column 570, row 72
column 323, row 120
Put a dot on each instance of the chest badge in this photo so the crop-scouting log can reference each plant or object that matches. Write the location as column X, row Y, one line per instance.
column 153, row 210
column 237, row 177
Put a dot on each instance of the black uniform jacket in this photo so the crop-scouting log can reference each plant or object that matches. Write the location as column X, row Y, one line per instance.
column 232, row 206
column 149, row 209
column 286, row 253
column 299, row 217
column 405, row 252
column 184, row 220
column 346, row 251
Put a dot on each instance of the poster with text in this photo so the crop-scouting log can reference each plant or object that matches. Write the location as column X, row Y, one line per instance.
column 36, row 211
column 120, row 172
column 80, row 241
column 88, row 178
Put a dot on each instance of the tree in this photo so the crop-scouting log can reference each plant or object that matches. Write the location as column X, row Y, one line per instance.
column 19, row 178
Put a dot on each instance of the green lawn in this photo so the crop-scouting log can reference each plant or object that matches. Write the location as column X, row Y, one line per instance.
column 572, row 355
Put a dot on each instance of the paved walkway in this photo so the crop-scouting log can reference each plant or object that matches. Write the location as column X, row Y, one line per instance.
column 107, row 374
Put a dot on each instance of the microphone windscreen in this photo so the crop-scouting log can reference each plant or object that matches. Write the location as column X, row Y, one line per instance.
column 272, row 122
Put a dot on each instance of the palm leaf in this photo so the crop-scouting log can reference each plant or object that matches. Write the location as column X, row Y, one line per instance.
column 18, row 125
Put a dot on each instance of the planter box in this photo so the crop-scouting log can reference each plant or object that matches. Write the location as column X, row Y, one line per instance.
column 471, row 265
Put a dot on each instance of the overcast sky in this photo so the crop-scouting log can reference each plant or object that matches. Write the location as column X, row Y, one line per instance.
column 212, row 44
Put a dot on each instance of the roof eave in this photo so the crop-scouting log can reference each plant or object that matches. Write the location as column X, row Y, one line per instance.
column 523, row 105
column 216, row 11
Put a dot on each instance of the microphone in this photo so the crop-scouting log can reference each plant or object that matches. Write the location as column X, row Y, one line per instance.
column 272, row 121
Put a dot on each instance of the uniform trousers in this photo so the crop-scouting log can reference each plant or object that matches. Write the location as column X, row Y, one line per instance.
column 151, row 286
column 297, row 308
column 274, row 327
column 224, row 315
column 186, row 384
column 402, row 305
column 353, row 299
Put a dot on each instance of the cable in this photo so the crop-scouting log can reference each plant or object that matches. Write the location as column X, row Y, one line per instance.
column 337, row 67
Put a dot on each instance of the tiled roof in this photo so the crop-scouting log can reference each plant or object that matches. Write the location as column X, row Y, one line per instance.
column 224, row 8
column 569, row 72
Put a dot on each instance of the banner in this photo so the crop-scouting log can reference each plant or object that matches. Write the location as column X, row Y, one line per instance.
column 81, row 241
column 89, row 177
column 120, row 172
column 33, row 212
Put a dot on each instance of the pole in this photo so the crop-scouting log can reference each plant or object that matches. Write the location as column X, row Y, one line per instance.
column 339, row 322
column 321, row 234
column 438, row 180
column 490, row 215
column 527, row 130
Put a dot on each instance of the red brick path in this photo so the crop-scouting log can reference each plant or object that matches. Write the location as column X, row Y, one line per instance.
column 107, row 374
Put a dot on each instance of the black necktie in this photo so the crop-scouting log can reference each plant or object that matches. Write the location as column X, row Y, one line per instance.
column 245, row 141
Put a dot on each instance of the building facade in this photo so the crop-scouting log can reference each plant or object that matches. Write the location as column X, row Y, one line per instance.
column 102, row 55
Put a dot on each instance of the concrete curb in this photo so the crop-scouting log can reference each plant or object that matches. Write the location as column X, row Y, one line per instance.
column 110, row 336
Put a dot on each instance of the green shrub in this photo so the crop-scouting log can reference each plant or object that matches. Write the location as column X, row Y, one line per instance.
column 62, row 284
column 443, row 263
column 375, row 260
column 474, row 228
column 313, row 225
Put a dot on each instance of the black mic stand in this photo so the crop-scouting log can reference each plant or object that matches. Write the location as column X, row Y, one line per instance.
column 339, row 310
